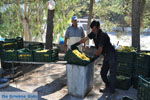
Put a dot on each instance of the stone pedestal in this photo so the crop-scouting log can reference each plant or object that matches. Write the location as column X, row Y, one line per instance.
column 80, row 79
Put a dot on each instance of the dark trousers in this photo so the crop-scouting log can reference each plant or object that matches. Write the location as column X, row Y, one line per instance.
column 109, row 65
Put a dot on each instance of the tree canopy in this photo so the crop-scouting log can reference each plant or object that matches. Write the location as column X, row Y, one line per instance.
column 18, row 16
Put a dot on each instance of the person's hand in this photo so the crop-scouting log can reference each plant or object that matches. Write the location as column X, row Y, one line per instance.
column 73, row 47
column 93, row 58
column 84, row 48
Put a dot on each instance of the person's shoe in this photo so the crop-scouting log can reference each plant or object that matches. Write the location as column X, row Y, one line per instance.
column 104, row 90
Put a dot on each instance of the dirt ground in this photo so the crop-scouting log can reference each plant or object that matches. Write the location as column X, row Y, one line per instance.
column 49, row 80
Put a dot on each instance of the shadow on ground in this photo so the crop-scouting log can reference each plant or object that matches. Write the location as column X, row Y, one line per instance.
column 90, row 96
column 19, row 69
column 69, row 97
column 52, row 87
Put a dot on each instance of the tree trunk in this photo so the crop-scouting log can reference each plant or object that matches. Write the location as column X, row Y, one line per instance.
column 27, row 36
column 136, row 23
column 142, row 11
column 20, row 15
column 90, row 16
column 49, row 33
column 1, row 21
column 137, row 17
column 27, row 33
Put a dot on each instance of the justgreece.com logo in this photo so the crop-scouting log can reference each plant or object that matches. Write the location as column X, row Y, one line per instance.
column 18, row 96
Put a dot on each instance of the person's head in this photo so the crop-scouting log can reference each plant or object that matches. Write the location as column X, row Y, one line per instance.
column 74, row 20
column 95, row 26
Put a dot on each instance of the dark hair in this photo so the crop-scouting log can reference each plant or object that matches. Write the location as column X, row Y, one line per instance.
column 95, row 23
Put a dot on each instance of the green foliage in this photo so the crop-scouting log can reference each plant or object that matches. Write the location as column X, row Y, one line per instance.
column 146, row 20
column 118, row 13
column 64, row 10
column 11, row 25
column 112, row 12
column 36, row 16
column 13, row 16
